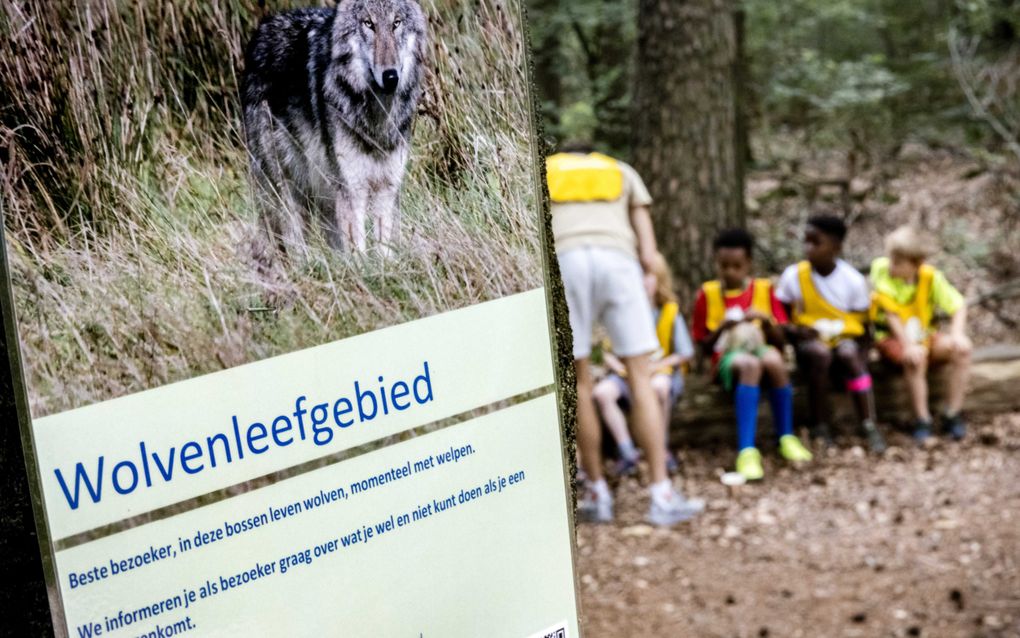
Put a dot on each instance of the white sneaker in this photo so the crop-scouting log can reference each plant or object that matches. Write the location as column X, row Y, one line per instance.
column 595, row 508
column 674, row 510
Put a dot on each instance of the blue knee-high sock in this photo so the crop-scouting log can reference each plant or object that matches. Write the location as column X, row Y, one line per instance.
column 747, row 414
column 782, row 409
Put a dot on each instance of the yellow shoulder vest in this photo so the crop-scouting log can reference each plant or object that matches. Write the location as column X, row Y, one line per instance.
column 583, row 178
column 715, row 304
column 830, row 322
column 920, row 306
column 664, row 330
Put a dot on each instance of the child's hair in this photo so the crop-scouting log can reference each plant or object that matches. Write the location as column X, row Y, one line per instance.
column 735, row 238
column 577, row 145
column 908, row 243
column 830, row 225
column 663, row 281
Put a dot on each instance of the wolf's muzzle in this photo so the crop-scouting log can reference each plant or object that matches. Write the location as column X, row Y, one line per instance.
column 390, row 79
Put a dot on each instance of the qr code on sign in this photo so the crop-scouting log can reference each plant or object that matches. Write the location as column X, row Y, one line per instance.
column 556, row 631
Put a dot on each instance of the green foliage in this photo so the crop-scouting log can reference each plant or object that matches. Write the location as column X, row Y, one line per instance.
column 865, row 73
column 584, row 56
column 860, row 75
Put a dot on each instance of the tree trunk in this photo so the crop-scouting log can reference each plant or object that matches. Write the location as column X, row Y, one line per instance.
column 686, row 131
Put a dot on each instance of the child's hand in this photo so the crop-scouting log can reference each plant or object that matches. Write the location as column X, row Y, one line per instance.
column 915, row 354
column 807, row 333
column 960, row 343
column 728, row 324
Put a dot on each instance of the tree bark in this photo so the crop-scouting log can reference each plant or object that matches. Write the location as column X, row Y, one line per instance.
column 687, row 143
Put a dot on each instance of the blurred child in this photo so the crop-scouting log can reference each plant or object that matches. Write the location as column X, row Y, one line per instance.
column 829, row 302
column 907, row 292
column 612, row 394
column 736, row 322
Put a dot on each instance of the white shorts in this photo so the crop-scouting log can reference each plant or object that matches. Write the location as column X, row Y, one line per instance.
column 605, row 285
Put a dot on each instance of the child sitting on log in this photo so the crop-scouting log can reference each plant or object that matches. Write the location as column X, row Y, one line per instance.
column 612, row 394
column 907, row 292
column 829, row 300
column 736, row 322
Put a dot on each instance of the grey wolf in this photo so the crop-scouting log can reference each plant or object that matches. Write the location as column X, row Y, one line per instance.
column 328, row 99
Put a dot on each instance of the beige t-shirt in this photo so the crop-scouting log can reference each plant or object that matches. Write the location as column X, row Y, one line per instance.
column 604, row 224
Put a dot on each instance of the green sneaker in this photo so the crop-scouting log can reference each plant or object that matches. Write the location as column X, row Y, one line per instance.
column 791, row 449
column 749, row 464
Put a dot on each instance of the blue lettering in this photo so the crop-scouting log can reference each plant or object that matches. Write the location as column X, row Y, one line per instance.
column 80, row 476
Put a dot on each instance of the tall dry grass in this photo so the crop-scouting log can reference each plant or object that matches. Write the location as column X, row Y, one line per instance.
column 130, row 219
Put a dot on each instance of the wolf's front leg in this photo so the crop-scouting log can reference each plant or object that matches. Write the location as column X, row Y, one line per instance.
column 351, row 206
column 385, row 210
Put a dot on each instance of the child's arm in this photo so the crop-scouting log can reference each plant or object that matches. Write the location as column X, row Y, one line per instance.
column 787, row 293
column 641, row 222
column 683, row 347
column 613, row 363
column 707, row 338
column 795, row 331
column 913, row 353
column 948, row 299
column 708, row 343
column 773, row 333
column 958, row 329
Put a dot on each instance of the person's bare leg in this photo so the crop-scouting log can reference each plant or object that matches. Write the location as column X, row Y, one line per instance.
column 589, row 435
column 646, row 415
column 958, row 353
column 816, row 358
column 748, row 369
column 853, row 359
column 607, row 396
column 775, row 368
column 916, row 376
column 661, row 386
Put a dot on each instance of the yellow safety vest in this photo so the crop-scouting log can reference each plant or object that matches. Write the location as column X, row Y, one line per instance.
column 583, row 178
column 817, row 311
column 715, row 303
column 920, row 306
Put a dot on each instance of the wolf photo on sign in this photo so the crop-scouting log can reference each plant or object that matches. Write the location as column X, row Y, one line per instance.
column 329, row 97
column 142, row 171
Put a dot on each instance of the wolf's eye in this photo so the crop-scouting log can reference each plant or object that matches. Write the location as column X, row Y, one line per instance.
column 397, row 23
column 368, row 25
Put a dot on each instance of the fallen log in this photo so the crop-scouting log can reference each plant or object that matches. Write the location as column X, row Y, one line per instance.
column 705, row 415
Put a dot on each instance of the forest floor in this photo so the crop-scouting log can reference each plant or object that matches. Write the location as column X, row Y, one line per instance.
column 917, row 543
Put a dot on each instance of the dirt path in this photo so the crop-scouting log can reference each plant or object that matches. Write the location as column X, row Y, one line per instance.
column 920, row 543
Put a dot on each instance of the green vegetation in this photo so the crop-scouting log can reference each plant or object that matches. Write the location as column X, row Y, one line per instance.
column 131, row 231
column 850, row 75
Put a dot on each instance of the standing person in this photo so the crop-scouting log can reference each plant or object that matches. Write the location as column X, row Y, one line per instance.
column 907, row 292
column 829, row 303
column 605, row 246
column 737, row 302
column 612, row 394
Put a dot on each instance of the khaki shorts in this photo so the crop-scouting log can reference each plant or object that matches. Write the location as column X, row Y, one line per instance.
column 605, row 285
